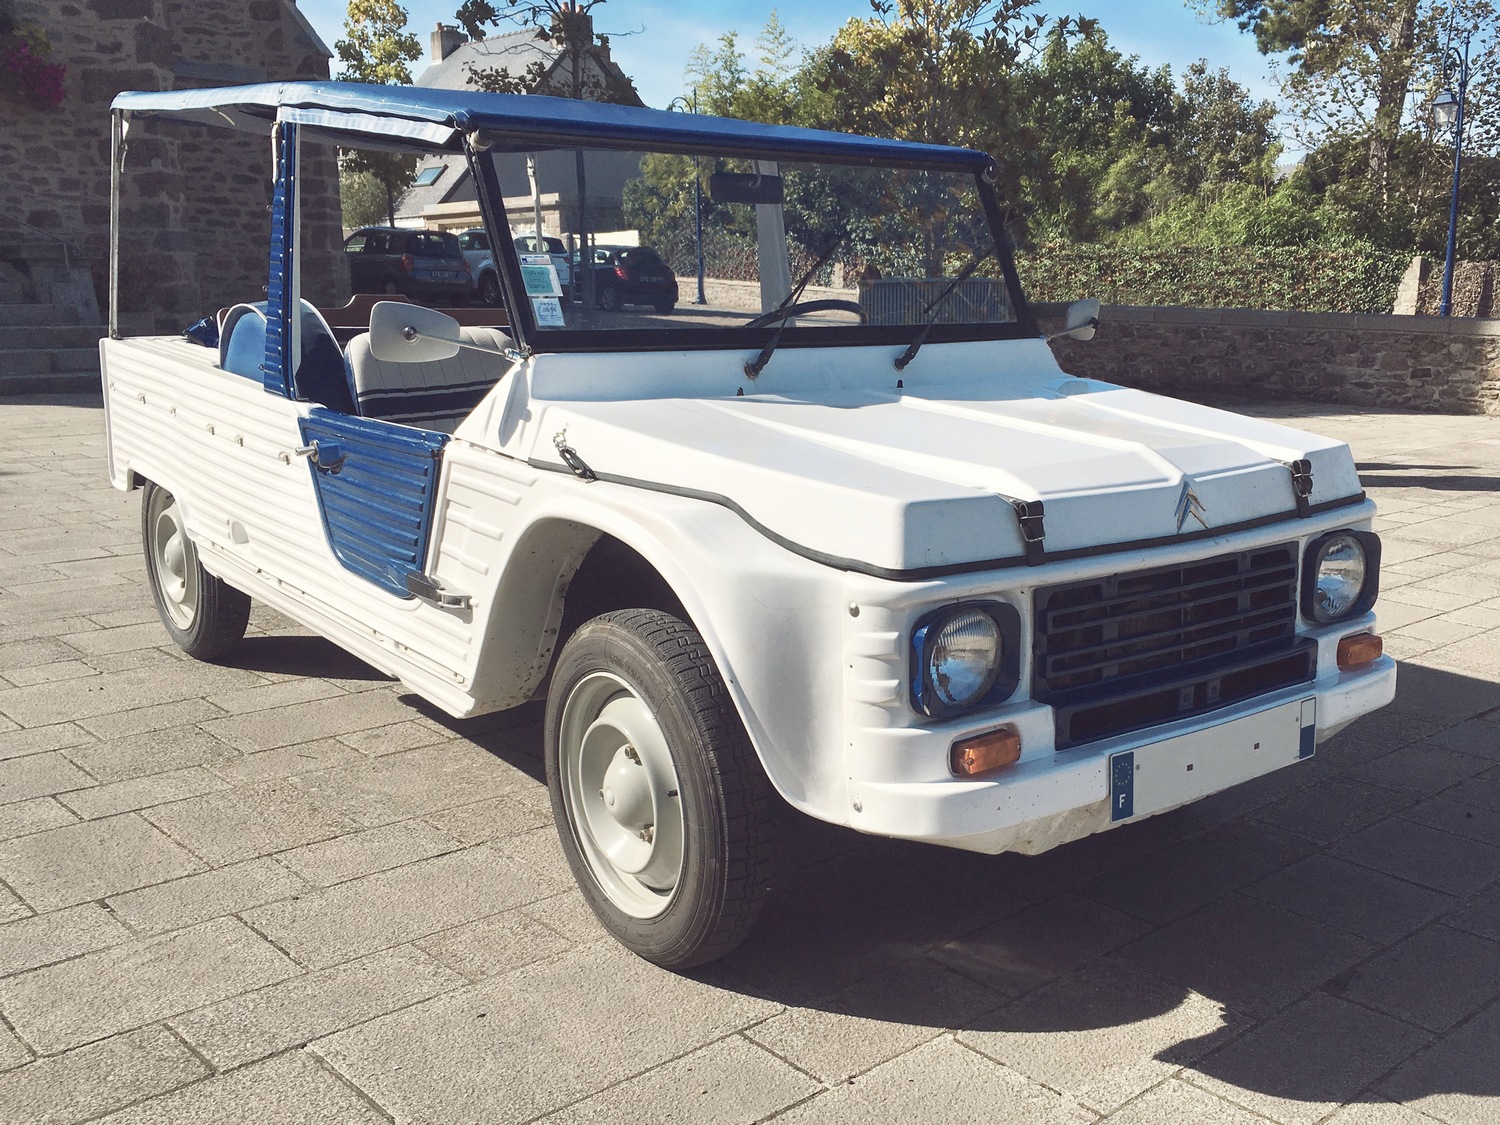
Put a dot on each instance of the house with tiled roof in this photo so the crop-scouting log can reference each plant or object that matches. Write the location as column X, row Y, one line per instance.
column 527, row 61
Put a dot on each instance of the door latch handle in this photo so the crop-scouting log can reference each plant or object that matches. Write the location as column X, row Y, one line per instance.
column 328, row 456
column 430, row 589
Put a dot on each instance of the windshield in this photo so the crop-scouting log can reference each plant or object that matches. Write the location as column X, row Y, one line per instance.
column 887, row 244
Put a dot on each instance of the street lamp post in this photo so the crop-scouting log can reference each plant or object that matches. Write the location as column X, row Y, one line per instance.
column 683, row 103
column 1448, row 113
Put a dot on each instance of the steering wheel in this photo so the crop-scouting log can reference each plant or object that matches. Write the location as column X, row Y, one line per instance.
column 825, row 304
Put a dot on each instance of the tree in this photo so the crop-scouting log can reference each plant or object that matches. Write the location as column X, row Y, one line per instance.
column 1221, row 135
column 362, row 198
column 1362, row 77
column 377, row 50
column 717, row 77
column 1355, row 63
column 725, row 87
column 1095, row 130
column 942, row 71
column 1349, row 58
column 378, row 46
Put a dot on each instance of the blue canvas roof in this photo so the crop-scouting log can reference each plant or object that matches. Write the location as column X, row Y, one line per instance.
column 428, row 118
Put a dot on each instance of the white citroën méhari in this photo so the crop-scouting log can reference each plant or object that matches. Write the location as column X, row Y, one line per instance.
column 845, row 533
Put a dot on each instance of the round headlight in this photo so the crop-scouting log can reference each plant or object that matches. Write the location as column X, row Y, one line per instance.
column 963, row 658
column 1339, row 579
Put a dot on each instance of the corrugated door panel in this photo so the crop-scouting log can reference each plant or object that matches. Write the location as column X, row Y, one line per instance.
column 377, row 509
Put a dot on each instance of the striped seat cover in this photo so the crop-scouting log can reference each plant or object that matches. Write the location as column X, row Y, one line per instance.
column 436, row 395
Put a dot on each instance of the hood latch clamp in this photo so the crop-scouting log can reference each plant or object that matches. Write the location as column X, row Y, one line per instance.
column 1033, row 532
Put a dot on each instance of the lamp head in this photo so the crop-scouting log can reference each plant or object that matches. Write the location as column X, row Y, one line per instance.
column 1445, row 111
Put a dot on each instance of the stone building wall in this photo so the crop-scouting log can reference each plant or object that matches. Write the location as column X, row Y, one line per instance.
column 194, row 214
column 1449, row 365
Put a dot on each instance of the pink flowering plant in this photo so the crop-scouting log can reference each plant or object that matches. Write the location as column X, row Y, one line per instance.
column 25, row 70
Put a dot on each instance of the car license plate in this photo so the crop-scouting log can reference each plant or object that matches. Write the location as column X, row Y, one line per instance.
column 651, row 277
column 1151, row 779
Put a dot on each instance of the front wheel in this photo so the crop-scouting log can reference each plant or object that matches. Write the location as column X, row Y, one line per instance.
column 205, row 616
column 659, row 799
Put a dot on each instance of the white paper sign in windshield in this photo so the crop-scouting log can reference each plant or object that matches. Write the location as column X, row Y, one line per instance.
column 540, row 276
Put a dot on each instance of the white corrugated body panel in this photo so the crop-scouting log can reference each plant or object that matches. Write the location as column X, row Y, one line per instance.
column 225, row 448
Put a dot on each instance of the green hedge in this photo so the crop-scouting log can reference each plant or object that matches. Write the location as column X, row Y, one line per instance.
column 1284, row 278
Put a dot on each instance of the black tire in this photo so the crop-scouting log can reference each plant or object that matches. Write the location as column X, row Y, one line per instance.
column 204, row 615
column 608, row 298
column 391, row 288
column 647, row 667
column 489, row 290
column 664, row 307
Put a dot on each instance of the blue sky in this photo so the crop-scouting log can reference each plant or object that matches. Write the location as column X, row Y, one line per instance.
column 651, row 39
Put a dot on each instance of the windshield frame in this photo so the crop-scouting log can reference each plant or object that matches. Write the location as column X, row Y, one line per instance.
column 718, row 338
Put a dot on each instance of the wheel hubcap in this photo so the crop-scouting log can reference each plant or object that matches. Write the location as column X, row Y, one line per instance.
column 175, row 562
column 621, row 793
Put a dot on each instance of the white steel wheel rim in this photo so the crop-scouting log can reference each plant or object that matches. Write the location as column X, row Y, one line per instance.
column 620, row 791
column 175, row 562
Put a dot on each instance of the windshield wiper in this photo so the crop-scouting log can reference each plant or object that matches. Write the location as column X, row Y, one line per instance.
column 936, row 307
column 780, row 313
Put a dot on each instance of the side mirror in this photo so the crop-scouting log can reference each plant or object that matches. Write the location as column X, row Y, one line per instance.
column 403, row 333
column 1083, row 319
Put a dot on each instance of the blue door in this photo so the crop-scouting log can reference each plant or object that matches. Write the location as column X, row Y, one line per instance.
column 377, row 489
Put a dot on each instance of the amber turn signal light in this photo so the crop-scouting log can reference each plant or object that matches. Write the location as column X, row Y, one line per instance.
column 986, row 752
column 1359, row 650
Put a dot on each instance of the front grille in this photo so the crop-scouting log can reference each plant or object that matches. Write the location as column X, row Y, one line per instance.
column 1127, row 651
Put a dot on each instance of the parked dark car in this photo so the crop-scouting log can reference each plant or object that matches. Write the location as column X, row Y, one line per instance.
column 633, row 275
column 425, row 265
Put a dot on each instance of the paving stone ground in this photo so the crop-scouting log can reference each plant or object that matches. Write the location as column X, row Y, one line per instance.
column 280, row 889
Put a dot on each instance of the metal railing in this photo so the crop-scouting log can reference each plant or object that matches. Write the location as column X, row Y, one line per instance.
column 68, row 248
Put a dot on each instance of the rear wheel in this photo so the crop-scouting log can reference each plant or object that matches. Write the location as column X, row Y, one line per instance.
column 659, row 799
column 390, row 288
column 608, row 297
column 489, row 290
column 663, row 307
column 205, row 616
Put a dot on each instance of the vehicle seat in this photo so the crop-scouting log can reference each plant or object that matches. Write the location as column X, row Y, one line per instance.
column 320, row 377
column 436, row 395
column 242, row 340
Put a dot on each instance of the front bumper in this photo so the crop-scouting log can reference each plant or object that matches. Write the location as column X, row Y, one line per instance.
column 1051, row 798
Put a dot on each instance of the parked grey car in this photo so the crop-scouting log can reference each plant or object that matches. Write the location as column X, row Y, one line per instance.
column 425, row 265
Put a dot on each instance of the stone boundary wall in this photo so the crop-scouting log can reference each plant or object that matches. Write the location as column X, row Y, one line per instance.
column 1449, row 366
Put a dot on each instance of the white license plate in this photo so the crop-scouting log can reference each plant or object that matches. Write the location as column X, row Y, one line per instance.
column 652, row 277
column 1163, row 775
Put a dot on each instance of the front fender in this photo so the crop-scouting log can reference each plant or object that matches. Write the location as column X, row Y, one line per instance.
column 769, row 617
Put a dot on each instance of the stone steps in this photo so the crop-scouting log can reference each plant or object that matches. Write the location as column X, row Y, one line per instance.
column 49, row 336
column 48, row 361
column 29, row 316
column 58, row 382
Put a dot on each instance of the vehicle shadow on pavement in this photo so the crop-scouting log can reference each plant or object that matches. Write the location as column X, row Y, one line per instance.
column 1439, row 478
column 1324, row 934
column 300, row 655
column 514, row 736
